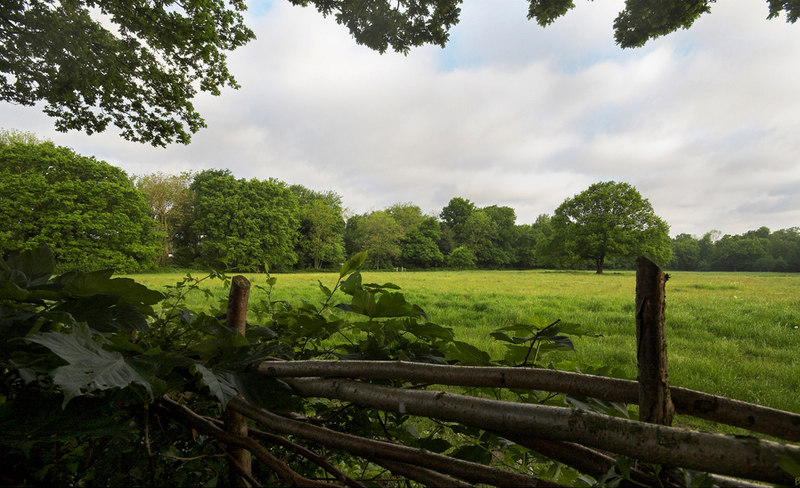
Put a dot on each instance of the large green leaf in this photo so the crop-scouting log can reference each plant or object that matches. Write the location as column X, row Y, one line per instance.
column 101, row 283
column 36, row 265
column 219, row 383
column 104, row 313
column 89, row 366
column 352, row 264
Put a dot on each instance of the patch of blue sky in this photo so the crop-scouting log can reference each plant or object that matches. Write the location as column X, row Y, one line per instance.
column 258, row 8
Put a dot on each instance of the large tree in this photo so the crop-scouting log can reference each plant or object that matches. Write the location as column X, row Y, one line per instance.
column 379, row 234
column 242, row 224
column 455, row 215
column 320, row 241
column 170, row 202
column 87, row 211
column 609, row 219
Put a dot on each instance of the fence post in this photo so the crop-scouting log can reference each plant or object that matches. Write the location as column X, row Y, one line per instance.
column 236, row 423
column 655, row 404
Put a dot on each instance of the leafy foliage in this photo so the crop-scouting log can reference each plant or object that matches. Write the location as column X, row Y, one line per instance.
column 87, row 210
column 170, row 202
column 755, row 250
column 320, row 242
column 136, row 66
column 84, row 355
column 608, row 219
column 238, row 223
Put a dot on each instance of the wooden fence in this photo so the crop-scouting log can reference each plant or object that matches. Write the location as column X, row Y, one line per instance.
column 586, row 441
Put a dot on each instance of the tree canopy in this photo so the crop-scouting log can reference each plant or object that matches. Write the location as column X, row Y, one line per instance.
column 609, row 219
column 242, row 224
column 136, row 65
column 139, row 65
column 88, row 211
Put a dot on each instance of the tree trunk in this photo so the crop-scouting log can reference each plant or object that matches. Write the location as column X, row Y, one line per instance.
column 599, row 264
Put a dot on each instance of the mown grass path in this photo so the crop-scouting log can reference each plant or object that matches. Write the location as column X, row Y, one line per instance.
column 730, row 334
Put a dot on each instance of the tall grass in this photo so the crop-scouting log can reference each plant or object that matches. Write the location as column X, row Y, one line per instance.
column 730, row 334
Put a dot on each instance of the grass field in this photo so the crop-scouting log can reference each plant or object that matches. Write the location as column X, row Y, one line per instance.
column 730, row 334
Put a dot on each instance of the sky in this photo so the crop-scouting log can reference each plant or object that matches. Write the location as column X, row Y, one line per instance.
column 704, row 122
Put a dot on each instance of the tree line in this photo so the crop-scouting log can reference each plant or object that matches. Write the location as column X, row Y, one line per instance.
column 94, row 216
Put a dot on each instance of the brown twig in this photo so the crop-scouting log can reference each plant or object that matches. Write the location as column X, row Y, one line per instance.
column 302, row 451
column 280, row 468
column 368, row 448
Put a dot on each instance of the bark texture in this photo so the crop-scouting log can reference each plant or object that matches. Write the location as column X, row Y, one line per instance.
column 757, row 418
column 728, row 455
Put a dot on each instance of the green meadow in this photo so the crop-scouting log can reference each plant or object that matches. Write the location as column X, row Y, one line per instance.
column 730, row 334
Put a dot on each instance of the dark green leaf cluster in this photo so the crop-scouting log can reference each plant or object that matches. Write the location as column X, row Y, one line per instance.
column 642, row 20
column 240, row 224
column 399, row 24
column 134, row 65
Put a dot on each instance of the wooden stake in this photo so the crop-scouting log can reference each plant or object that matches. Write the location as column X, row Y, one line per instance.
column 655, row 404
column 236, row 423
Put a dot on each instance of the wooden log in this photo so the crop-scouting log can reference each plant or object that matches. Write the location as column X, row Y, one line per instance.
column 766, row 420
column 748, row 458
column 359, row 446
column 655, row 404
column 235, row 423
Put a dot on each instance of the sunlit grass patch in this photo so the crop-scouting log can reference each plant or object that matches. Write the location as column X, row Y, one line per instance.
column 731, row 334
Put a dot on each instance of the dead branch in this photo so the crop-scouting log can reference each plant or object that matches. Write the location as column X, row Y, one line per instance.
column 302, row 451
column 728, row 455
column 770, row 421
column 284, row 472
column 425, row 476
column 472, row 472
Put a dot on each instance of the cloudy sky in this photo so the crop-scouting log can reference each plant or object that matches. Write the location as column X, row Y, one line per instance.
column 705, row 122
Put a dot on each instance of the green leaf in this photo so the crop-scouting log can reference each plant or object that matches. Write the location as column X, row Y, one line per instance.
column 791, row 464
column 435, row 445
column 266, row 392
column 90, row 367
column 474, row 453
column 219, row 383
column 466, row 354
column 353, row 264
column 351, row 284
column 103, row 313
column 10, row 291
column 101, row 283
column 325, row 290
column 36, row 264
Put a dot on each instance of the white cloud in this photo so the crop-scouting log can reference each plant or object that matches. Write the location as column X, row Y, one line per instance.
column 703, row 122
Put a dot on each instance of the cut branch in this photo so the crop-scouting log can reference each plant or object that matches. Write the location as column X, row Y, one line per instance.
column 581, row 458
column 367, row 448
column 655, row 404
column 284, row 472
column 728, row 455
column 234, row 423
column 425, row 476
column 302, row 451
column 770, row 421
